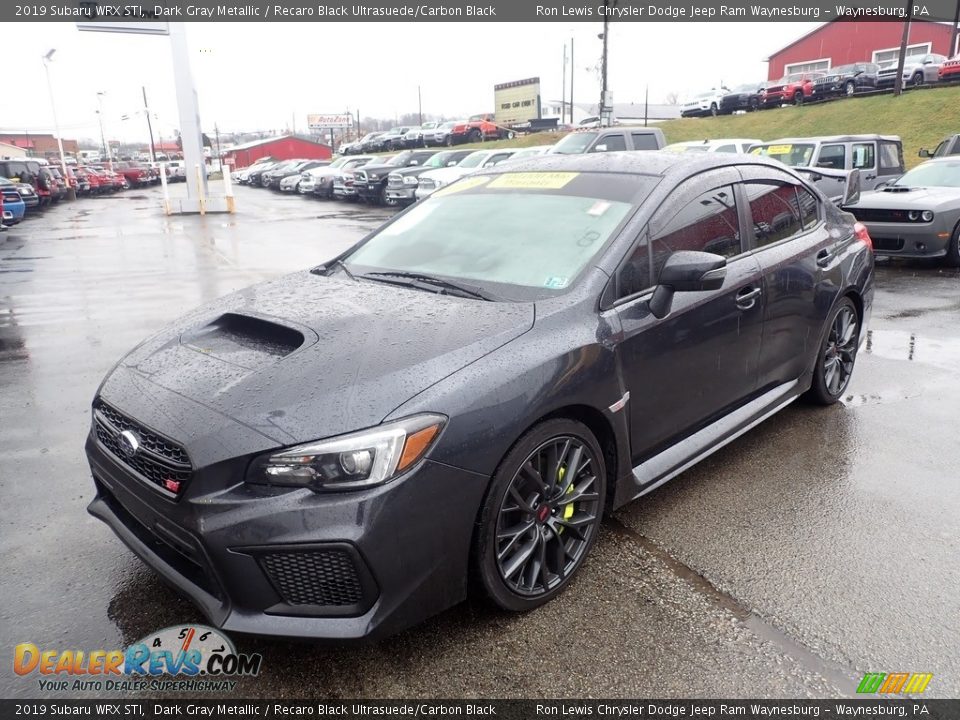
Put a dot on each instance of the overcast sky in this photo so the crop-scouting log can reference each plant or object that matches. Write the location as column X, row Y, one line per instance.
column 252, row 76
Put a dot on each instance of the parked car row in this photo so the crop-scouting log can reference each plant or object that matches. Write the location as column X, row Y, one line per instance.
column 430, row 134
column 29, row 184
column 841, row 81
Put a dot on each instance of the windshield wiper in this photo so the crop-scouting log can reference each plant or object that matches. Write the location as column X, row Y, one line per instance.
column 431, row 282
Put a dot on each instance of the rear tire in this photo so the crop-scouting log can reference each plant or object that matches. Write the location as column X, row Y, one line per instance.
column 474, row 136
column 837, row 355
column 541, row 515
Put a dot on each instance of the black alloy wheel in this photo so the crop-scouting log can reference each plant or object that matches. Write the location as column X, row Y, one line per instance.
column 917, row 79
column 713, row 109
column 541, row 515
column 850, row 88
column 838, row 354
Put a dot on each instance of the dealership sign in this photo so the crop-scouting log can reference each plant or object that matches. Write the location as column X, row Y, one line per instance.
column 330, row 120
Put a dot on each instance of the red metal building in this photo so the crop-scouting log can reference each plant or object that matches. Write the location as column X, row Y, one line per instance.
column 846, row 41
column 285, row 147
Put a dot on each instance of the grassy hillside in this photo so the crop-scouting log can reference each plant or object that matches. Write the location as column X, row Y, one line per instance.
column 920, row 117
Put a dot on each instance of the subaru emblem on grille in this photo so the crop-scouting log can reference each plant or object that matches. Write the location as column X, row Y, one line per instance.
column 129, row 443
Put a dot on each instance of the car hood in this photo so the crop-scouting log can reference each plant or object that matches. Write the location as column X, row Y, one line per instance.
column 930, row 198
column 380, row 169
column 448, row 174
column 308, row 356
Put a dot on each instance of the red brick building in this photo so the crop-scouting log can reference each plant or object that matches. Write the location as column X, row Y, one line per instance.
column 847, row 41
column 39, row 144
column 285, row 147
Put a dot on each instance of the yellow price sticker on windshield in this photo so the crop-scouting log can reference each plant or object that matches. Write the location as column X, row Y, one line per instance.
column 465, row 184
column 533, row 180
column 779, row 149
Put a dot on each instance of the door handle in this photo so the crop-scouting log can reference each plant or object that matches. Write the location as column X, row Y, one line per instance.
column 824, row 257
column 747, row 297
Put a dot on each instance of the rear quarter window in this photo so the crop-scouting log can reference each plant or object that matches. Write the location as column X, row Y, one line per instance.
column 644, row 141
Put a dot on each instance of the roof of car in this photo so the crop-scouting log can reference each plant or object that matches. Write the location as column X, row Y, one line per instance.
column 833, row 138
column 647, row 162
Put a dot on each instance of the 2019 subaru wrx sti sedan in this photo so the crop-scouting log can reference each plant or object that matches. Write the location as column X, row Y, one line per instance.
column 463, row 393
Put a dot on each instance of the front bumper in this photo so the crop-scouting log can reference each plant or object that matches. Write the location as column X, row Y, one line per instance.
column 697, row 111
column 909, row 239
column 344, row 191
column 406, row 194
column 253, row 560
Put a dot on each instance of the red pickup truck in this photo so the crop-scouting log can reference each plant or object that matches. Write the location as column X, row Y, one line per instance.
column 137, row 175
column 793, row 88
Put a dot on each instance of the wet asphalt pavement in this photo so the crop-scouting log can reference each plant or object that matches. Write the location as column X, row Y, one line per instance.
column 821, row 545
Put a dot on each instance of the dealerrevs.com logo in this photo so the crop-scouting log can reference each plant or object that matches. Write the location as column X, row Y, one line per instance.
column 180, row 657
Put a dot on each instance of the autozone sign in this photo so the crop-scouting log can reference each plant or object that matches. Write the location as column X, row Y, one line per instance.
column 331, row 120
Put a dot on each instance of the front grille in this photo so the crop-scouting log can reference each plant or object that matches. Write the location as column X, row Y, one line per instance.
column 882, row 215
column 882, row 243
column 160, row 461
column 326, row 578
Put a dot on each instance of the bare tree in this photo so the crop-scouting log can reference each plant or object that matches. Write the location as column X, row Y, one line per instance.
column 671, row 98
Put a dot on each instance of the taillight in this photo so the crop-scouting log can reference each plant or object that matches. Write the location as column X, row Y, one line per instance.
column 861, row 233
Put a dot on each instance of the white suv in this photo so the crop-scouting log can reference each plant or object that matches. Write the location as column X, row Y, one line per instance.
column 703, row 104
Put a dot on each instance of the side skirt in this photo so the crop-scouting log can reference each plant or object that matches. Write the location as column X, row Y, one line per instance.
column 654, row 472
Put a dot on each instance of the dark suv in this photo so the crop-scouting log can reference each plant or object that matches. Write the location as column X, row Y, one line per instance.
column 846, row 80
column 370, row 181
column 466, row 391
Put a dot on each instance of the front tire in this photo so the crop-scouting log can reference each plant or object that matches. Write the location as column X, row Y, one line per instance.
column 850, row 88
column 917, row 79
column 541, row 515
column 837, row 355
column 798, row 97
column 714, row 109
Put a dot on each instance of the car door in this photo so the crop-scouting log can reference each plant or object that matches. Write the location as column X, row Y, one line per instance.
column 701, row 359
column 609, row 142
column 800, row 270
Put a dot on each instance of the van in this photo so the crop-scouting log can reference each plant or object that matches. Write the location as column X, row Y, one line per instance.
column 610, row 140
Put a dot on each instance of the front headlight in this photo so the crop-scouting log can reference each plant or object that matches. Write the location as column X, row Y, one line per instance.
column 357, row 460
column 927, row 215
column 374, row 176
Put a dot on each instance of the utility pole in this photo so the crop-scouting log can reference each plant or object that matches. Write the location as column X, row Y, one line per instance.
column 646, row 104
column 563, row 95
column 358, row 123
column 904, row 41
column 71, row 190
column 216, row 130
column 103, row 140
column 573, row 69
column 419, row 104
column 953, row 37
column 604, row 94
column 146, row 108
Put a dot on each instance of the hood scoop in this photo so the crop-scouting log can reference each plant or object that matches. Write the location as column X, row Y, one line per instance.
column 897, row 189
column 244, row 340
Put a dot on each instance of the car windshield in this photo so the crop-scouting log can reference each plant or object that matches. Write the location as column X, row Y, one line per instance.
column 701, row 96
column 400, row 158
column 438, row 160
column 843, row 70
column 428, row 126
column 518, row 234
column 4, row 181
column 448, row 124
column 793, row 154
column 574, row 144
column 474, row 159
column 339, row 162
column 748, row 88
column 934, row 174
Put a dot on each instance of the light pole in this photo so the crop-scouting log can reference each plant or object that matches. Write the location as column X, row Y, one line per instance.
column 103, row 140
column 47, row 58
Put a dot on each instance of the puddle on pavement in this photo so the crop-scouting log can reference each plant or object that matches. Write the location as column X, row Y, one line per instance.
column 902, row 345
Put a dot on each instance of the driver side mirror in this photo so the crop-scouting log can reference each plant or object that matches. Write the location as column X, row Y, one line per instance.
column 925, row 153
column 600, row 148
column 687, row 271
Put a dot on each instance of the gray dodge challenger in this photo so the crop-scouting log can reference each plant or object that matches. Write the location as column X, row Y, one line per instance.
column 918, row 215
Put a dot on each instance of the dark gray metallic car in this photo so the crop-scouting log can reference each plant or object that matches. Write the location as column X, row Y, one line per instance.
column 467, row 390
column 918, row 215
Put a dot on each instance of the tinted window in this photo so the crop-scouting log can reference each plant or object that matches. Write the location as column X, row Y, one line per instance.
column 497, row 157
column 610, row 143
column 831, row 156
column 775, row 210
column 707, row 223
column 644, row 141
column 863, row 156
column 727, row 149
column 809, row 207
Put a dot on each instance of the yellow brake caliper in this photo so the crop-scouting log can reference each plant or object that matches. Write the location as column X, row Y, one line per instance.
column 568, row 508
